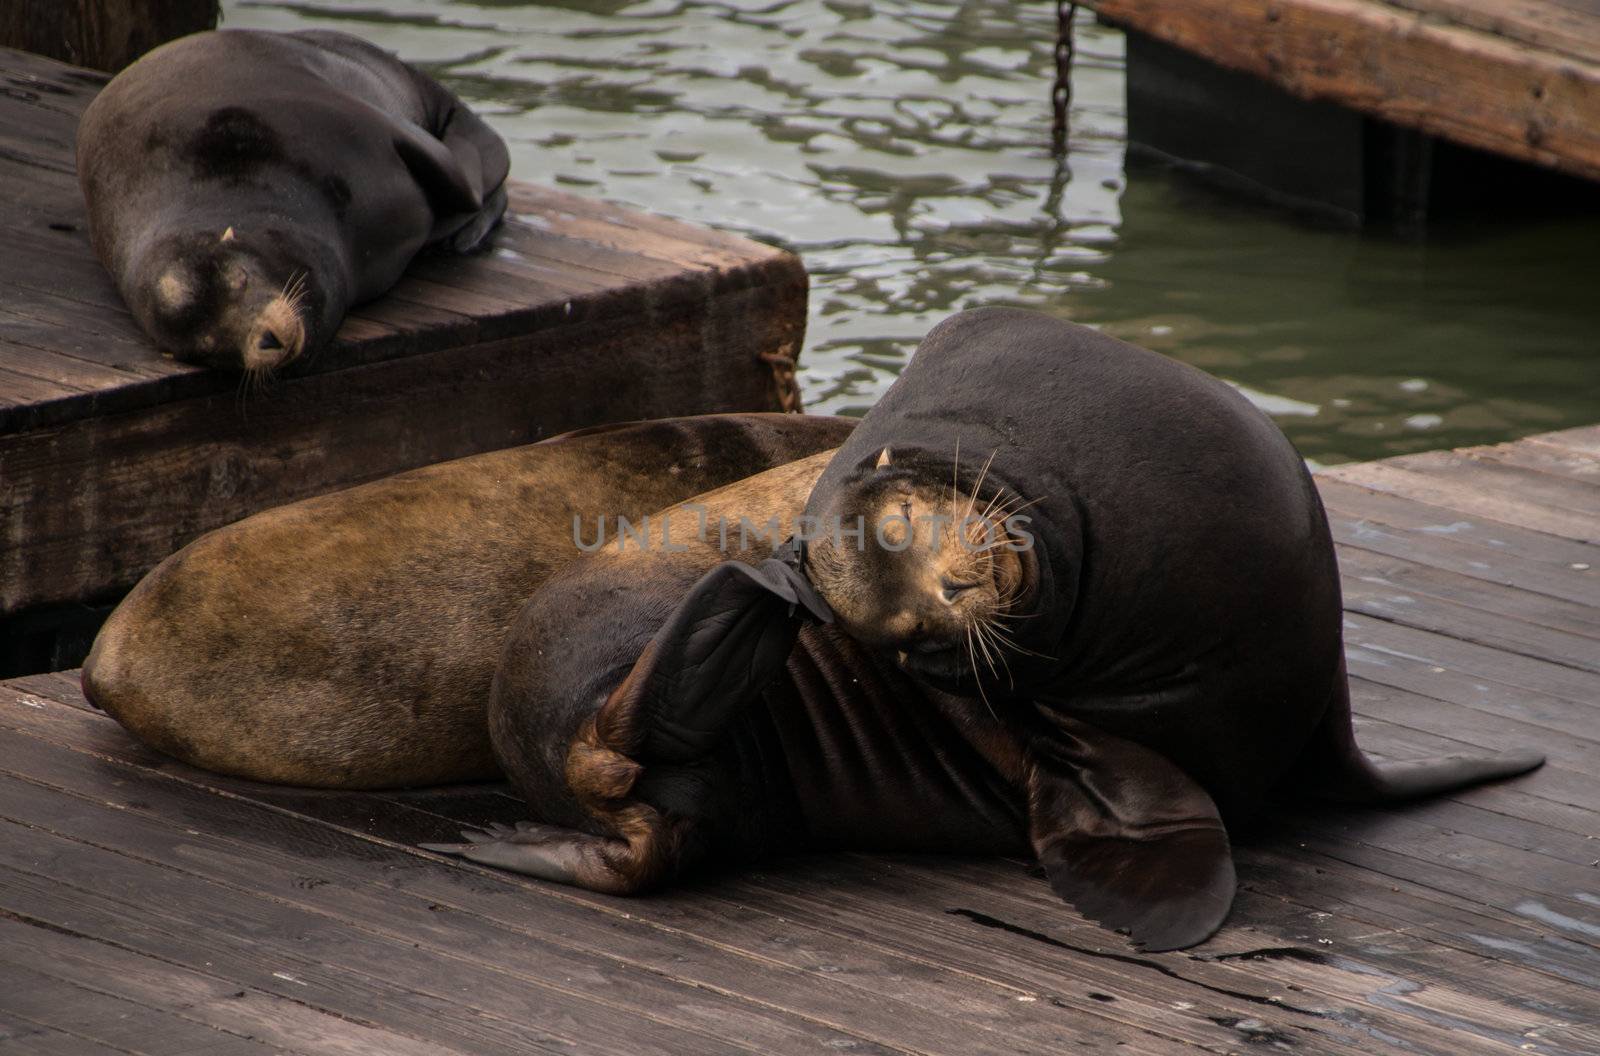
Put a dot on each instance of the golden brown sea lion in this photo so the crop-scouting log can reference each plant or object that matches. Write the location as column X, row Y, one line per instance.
column 348, row 641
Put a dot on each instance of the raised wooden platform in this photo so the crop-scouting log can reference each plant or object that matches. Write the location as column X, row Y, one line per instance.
column 146, row 907
column 112, row 456
column 1521, row 79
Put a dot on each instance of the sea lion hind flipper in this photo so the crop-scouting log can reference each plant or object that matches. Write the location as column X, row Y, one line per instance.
column 1129, row 839
column 452, row 191
column 548, row 852
column 1334, row 767
column 720, row 648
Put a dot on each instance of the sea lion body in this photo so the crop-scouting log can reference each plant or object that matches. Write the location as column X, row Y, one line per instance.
column 245, row 187
column 349, row 640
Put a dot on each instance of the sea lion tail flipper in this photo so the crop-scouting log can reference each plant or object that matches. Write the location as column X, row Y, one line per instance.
column 723, row 644
column 1335, row 767
column 1128, row 838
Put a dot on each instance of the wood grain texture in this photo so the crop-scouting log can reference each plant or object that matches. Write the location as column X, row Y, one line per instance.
column 101, row 34
column 1520, row 79
column 147, row 906
column 112, row 456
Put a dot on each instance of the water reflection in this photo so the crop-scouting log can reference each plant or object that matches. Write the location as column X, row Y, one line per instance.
column 901, row 148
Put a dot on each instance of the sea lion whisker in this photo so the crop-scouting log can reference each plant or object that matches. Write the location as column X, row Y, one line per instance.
column 977, row 485
column 984, row 628
column 976, row 680
column 1011, row 643
column 955, row 475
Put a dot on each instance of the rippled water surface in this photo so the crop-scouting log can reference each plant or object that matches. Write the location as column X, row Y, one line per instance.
column 902, row 149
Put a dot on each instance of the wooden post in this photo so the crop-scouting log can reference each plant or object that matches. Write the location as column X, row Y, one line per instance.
column 101, row 34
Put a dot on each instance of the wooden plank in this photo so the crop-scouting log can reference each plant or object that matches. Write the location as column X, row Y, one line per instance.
column 1426, row 536
column 1535, row 486
column 26, row 1037
column 103, row 34
column 1452, row 494
column 1570, row 29
column 1382, row 643
column 1584, row 440
column 110, row 1022
column 1403, row 584
column 1331, row 929
column 106, row 971
column 1406, row 67
column 1533, row 454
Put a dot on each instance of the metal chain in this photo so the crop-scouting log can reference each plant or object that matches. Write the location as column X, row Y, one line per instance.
column 1061, row 93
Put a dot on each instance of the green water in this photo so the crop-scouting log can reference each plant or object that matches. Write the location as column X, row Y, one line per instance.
column 902, row 150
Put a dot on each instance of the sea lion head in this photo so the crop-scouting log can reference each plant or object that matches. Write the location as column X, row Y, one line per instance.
column 932, row 568
column 236, row 298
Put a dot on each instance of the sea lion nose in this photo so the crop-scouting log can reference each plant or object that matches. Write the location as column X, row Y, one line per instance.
column 950, row 589
column 270, row 342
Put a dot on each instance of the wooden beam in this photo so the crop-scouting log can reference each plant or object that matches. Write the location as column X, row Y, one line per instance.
column 101, row 34
column 1409, row 66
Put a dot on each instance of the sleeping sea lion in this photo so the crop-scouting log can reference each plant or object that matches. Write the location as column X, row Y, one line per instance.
column 349, row 640
column 1126, row 543
column 661, row 706
column 245, row 187
column 1160, row 636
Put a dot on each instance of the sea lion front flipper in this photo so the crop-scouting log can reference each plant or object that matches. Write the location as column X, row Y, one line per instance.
column 640, row 767
column 1126, row 837
column 725, row 641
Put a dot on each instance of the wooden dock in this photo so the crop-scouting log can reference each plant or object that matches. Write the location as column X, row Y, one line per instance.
column 1520, row 79
column 147, row 907
column 112, row 456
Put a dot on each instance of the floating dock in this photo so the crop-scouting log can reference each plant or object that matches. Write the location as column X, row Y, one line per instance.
column 113, row 456
column 1520, row 79
column 149, row 907
column 1379, row 112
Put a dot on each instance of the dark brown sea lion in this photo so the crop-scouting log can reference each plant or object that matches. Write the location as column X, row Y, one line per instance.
column 349, row 640
column 1131, row 545
column 1164, row 633
column 245, row 188
column 660, row 706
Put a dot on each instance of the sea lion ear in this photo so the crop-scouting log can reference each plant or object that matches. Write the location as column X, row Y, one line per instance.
column 1128, row 838
column 720, row 648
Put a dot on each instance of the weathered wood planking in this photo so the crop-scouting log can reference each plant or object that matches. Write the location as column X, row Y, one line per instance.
column 1521, row 79
column 102, row 34
column 146, row 905
column 112, row 456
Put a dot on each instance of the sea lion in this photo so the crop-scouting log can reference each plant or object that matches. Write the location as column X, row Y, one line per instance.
column 349, row 640
column 661, row 705
column 1163, row 630
column 246, row 187
column 1177, row 589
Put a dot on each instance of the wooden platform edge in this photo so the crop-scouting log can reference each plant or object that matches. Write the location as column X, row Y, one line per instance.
column 1403, row 66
